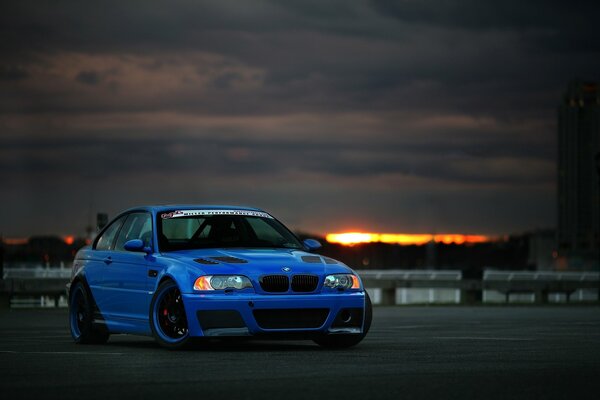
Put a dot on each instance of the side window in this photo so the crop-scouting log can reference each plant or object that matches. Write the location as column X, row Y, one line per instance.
column 107, row 238
column 137, row 226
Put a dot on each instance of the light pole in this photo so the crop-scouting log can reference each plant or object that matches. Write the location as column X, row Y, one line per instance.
column 597, row 159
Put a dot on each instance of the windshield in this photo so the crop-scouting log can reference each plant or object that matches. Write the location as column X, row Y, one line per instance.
column 200, row 229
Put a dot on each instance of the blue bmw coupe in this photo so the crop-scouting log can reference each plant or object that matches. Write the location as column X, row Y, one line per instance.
column 180, row 273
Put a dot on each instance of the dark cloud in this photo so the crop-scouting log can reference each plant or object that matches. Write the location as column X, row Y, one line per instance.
column 414, row 115
column 101, row 158
column 477, row 15
column 12, row 73
column 88, row 77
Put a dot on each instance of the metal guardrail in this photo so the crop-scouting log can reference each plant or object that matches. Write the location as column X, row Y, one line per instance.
column 22, row 283
column 539, row 276
column 410, row 274
column 52, row 282
column 422, row 286
column 38, row 272
column 32, row 287
column 540, row 284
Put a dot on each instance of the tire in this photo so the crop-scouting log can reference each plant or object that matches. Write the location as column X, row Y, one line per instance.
column 168, row 320
column 342, row 341
column 81, row 317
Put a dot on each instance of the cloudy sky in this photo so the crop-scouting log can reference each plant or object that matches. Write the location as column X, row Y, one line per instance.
column 385, row 116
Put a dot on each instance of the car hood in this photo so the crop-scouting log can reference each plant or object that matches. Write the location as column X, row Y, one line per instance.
column 257, row 262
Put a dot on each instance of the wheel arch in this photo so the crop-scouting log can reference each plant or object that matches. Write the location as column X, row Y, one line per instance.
column 165, row 278
column 98, row 321
column 80, row 278
column 178, row 274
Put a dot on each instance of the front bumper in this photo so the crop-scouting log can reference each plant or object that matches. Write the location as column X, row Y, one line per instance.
column 245, row 314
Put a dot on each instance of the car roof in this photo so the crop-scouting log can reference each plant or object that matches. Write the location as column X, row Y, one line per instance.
column 170, row 207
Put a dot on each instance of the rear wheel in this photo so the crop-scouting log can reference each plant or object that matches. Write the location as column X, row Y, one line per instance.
column 167, row 317
column 81, row 317
column 340, row 341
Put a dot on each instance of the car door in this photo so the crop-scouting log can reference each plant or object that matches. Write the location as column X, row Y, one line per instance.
column 100, row 259
column 127, row 278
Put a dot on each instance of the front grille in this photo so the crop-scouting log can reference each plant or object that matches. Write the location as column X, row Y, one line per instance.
column 305, row 283
column 275, row 283
column 291, row 318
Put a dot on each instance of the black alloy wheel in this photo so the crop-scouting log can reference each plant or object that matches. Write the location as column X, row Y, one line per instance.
column 167, row 317
column 81, row 317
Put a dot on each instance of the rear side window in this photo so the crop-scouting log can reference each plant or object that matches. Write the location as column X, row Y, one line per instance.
column 137, row 226
column 106, row 240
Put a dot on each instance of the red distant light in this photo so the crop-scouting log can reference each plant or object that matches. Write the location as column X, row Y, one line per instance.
column 69, row 240
column 15, row 241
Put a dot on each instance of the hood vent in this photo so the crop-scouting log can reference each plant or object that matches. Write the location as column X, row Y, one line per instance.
column 230, row 260
column 329, row 260
column 312, row 259
column 205, row 261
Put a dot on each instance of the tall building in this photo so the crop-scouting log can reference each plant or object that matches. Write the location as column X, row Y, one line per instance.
column 578, row 191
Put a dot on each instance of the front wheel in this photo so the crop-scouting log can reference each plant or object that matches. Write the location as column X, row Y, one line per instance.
column 340, row 341
column 168, row 321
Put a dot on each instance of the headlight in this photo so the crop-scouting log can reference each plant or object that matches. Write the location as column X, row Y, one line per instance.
column 342, row 281
column 221, row 282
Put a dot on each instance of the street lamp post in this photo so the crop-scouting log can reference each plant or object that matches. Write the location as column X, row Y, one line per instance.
column 597, row 159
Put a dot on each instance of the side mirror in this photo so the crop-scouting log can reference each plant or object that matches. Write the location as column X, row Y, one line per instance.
column 136, row 245
column 311, row 244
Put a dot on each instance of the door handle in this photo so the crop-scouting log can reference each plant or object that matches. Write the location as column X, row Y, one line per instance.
column 108, row 260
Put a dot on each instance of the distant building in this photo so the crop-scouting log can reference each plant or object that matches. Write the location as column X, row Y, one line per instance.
column 542, row 250
column 578, row 195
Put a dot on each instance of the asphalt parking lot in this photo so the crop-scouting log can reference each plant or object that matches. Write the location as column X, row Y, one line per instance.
column 411, row 352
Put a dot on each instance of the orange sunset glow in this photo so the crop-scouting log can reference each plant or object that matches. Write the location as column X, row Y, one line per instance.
column 351, row 238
